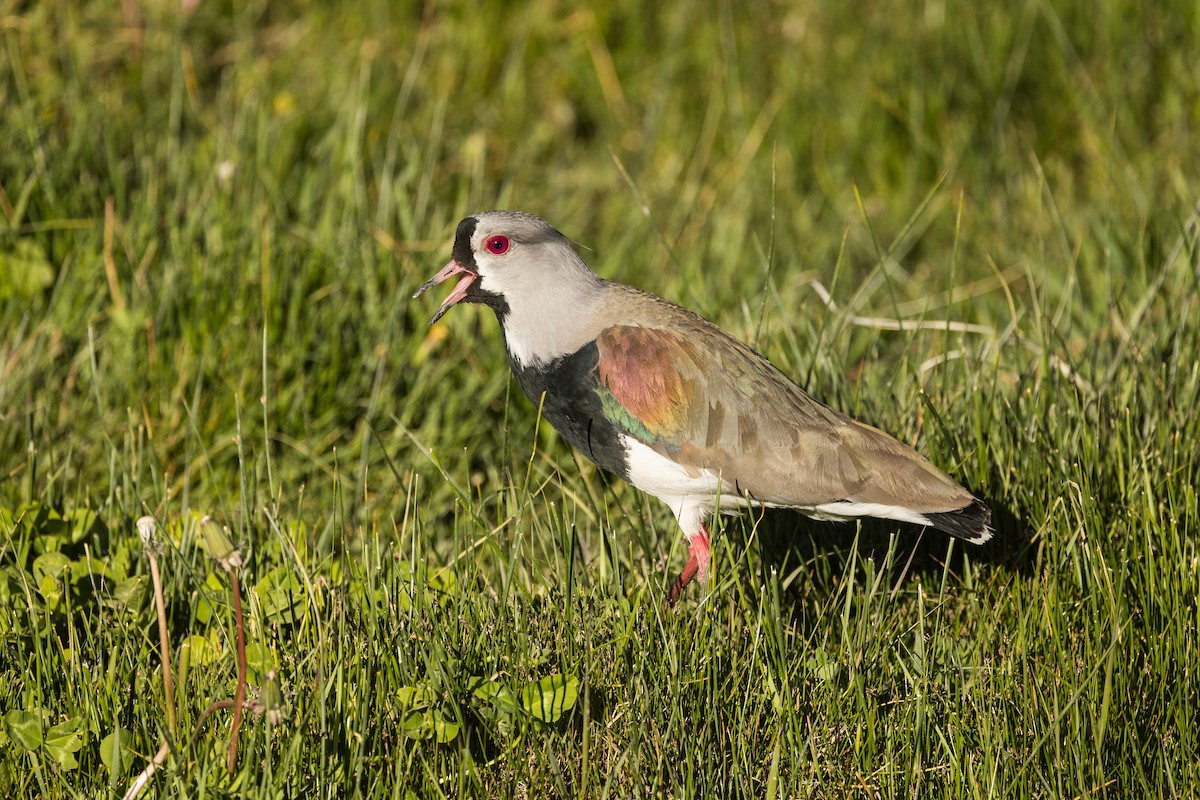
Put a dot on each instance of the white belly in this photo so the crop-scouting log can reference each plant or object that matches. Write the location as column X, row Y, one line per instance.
column 692, row 493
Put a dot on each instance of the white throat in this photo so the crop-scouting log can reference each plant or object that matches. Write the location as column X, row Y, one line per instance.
column 538, row 330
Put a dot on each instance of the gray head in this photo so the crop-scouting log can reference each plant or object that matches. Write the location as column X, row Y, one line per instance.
column 542, row 292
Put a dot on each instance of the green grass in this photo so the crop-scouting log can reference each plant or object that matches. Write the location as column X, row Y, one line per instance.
column 210, row 228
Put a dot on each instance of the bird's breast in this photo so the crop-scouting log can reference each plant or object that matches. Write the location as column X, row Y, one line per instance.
column 566, row 389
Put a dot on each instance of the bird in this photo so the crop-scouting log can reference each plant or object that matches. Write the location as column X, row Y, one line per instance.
column 677, row 407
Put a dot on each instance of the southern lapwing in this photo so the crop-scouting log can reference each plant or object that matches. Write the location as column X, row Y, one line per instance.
column 676, row 406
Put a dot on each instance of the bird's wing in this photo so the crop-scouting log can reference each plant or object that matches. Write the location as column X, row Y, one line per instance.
column 709, row 402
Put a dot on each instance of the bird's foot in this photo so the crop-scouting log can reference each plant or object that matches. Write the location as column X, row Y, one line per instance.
column 696, row 566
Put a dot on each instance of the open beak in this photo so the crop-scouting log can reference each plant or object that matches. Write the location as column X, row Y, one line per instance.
column 460, row 288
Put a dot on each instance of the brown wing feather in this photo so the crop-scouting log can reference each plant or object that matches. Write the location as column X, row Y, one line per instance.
column 706, row 400
column 723, row 408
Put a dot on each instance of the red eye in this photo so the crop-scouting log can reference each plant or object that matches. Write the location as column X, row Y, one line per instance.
column 497, row 245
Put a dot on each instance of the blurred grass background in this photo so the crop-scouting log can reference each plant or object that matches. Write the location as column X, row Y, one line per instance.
column 214, row 216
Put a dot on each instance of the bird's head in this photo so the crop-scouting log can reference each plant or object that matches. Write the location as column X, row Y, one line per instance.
column 525, row 270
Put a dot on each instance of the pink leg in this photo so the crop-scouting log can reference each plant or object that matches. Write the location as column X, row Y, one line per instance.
column 696, row 566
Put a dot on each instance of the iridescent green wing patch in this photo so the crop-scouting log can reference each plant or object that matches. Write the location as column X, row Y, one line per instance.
column 648, row 380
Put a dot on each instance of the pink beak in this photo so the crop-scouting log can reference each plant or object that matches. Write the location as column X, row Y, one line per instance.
column 460, row 288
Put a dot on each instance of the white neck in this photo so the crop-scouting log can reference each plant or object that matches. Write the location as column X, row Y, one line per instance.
column 538, row 330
